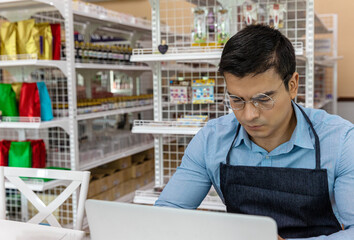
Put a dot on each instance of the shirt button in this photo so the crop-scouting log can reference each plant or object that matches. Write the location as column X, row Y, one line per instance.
column 267, row 157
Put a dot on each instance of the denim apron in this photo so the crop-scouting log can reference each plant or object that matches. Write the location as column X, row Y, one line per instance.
column 297, row 199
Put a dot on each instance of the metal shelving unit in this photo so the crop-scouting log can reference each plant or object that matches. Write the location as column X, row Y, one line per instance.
column 189, row 61
column 61, row 135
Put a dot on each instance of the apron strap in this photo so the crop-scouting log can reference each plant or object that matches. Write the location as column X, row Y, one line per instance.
column 317, row 140
column 228, row 153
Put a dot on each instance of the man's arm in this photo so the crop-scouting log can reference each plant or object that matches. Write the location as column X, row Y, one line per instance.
column 344, row 190
column 191, row 183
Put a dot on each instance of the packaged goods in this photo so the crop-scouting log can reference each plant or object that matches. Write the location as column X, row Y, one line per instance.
column 8, row 40
column 45, row 41
column 178, row 94
column 250, row 13
column 29, row 105
column 199, row 32
column 223, row 24
column 26, row 37
column 38, row 153
column 203, row 91
column 45, row 102
column 276, row 15
column 8, row 103
column 16, row 87
column 56, row 33
column 4, row 152
column 20, row 154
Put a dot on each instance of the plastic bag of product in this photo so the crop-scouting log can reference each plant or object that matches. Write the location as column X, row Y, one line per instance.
column 8, row 40
column 20, row 154
column 29, row 105
column 199, row 33
column 276, row 15
column 56, row 33
column 8, row 103
column 223, row 25
column 26, row 34
column 16, row 87
column 250, row 13
column 45, row 41
column 4, row 152
column 38, row 153
column 45, row 102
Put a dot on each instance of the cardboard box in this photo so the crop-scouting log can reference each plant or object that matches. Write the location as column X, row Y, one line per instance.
column 138, row 158
column 106, row 195
column 126, row 174
column 119, row 164
column 115, row 178
column 138, row 170
column 150, row 154
column 149, row 165
column 97, row 186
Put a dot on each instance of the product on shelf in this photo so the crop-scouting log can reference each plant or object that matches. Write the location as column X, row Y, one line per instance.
column 163, row 47
column 199, row 33
column 29, row 105
column 250, row 13
column 8, row 103
column 56, row 33
column 35, row 101
column 38, row 153
column 4, row 152
column 223, row 25
column 192, row 120
column 178, row 94
column 20, row 154
column 111, row 103
column 31, row 40
column 29, row 153
column 27, row 34
column 203, row 91
column 45, row 102
column 45, row 50
column 102, row 54
column 276, row 15
column 8, row 40
column 17, row 89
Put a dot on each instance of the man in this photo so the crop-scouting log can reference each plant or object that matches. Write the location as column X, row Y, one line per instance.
column 270, row 157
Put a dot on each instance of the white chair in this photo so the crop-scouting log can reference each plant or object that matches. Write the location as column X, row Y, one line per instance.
column 77, row 178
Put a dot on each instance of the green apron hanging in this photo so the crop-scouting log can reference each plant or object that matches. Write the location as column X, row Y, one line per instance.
column 20, row 154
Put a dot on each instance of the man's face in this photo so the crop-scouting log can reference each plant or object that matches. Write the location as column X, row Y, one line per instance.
column 261, row 124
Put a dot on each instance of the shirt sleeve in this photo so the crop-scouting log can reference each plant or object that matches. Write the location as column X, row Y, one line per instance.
column 344, row 190
column 190, row 184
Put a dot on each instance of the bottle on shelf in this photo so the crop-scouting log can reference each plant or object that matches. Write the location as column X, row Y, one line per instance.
column 77, row 46
column 109, row 54
column 63, row 49
column 85, row 50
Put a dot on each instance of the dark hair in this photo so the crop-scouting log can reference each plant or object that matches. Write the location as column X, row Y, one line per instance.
column 255, row 49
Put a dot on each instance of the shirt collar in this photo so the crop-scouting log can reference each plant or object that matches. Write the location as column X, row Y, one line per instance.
column 300, row 137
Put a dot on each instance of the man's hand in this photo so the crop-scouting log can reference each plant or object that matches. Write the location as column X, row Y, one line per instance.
column 279, row 238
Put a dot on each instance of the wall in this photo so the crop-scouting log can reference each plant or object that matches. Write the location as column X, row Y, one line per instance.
column 344, row 9
column 137, row 8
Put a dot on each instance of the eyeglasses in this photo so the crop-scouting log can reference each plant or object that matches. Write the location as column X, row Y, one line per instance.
column 260, row 101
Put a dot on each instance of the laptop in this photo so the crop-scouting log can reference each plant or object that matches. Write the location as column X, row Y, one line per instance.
column 114, row 220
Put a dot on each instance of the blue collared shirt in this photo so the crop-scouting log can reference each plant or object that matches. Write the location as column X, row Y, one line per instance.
column 200, row 167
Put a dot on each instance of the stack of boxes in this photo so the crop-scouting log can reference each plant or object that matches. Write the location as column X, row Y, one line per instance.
column 121, row 177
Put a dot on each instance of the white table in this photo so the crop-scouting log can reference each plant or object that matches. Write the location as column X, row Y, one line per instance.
column 11, row 230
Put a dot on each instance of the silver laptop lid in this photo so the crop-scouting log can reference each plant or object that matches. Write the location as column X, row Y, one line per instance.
column 113, row 220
